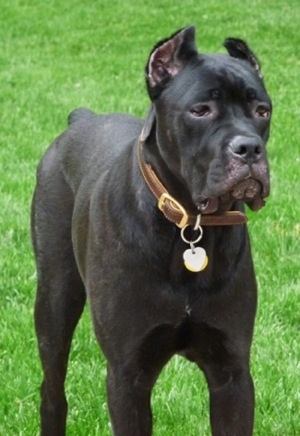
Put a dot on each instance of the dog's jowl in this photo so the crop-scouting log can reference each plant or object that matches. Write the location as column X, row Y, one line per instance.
column 146, row 220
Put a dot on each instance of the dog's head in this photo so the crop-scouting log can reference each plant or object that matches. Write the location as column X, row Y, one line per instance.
column 211, row 117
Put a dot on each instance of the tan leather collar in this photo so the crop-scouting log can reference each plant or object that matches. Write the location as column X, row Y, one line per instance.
column 174, row 211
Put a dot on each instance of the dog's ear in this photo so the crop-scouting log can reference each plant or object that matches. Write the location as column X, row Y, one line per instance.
column 149, row 124
column 168, row 58
column 237, row 48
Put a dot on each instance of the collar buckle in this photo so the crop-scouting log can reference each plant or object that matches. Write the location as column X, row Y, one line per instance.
column 166, row 200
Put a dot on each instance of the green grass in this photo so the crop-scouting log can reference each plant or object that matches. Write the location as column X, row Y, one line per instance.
column 56, row 56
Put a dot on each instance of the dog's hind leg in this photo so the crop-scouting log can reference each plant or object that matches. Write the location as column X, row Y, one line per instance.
column 60, row 292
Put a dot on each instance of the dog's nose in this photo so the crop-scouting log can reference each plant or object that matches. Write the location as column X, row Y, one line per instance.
column 247, row 148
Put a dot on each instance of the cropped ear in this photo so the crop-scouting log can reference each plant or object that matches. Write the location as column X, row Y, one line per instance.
column 237, row 48
column 168, row 58
column 148, row 124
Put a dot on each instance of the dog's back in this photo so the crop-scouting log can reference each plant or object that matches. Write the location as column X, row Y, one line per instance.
column 89, row 140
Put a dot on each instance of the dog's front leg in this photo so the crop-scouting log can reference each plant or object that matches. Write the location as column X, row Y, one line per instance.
column 129, row 393
column 133, row 368
column 231, row 403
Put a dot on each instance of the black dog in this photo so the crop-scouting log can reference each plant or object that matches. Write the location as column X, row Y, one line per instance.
column 146, row 220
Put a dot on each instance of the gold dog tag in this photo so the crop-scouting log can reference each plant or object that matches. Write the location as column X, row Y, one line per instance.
column 195, row 259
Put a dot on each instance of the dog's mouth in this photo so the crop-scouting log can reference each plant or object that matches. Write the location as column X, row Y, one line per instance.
column 248, row 190
column 251, row 192
column 208, row 205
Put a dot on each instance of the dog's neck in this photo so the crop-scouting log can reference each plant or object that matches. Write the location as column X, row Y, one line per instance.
column 173, row 210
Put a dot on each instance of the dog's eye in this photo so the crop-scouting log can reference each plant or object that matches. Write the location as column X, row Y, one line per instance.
column 262, row 111
column 200, row 111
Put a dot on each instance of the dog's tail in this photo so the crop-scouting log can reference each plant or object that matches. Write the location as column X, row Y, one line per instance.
column 81, row 113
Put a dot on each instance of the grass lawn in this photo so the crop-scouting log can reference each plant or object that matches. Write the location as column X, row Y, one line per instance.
column 56, row 56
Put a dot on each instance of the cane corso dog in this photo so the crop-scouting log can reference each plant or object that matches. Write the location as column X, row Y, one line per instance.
column 146, row 220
